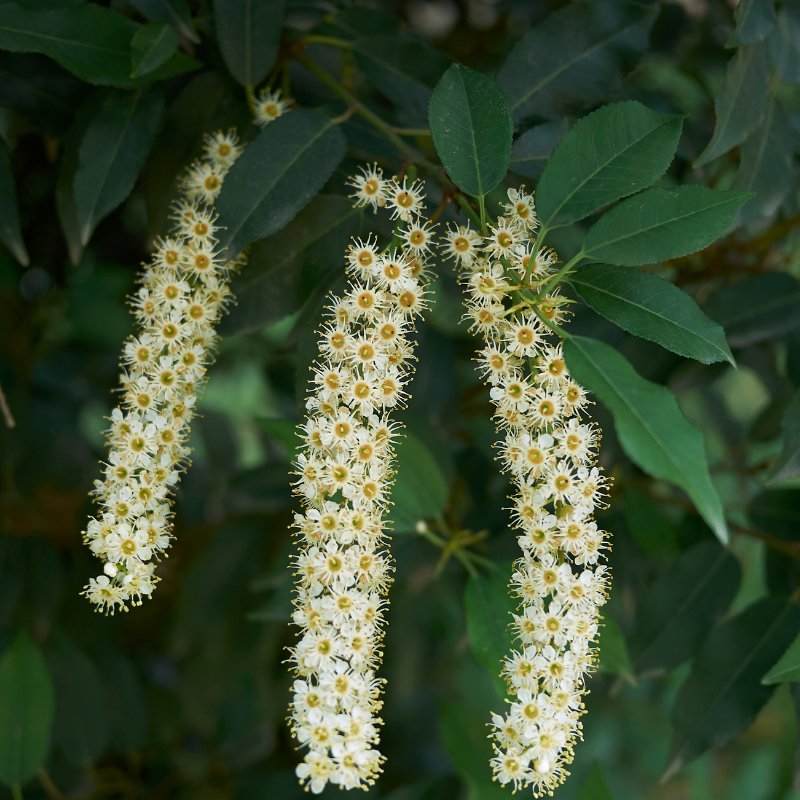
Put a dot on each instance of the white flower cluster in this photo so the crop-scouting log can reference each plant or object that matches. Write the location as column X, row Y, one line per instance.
column 183, row 293
column 550, row 453
column 343, row 478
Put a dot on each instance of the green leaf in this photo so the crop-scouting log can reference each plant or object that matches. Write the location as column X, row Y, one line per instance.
column 777, row 512
column 283, row 430
column 405, row 71
column 679, row 610
column 648, row 526
column 788, row 464
column 594, row 787
column 26, row 710
column 10, row 231
column 614, row 656
column 472, row 129
column 609, row 154
column 767, row 165
column 788, row 667
column 65, row 197
column 755, row 19
column 530, row 151
column 359, row 21
column 91, row 41
column 81, row 727
column 723, row 694
column 248, row 32
column 784, row 45
column 757, row 308
column 650, row 307
column 151, row 46
column 176, row 12
column 40, row 91
column 112, row 152
column 489, row 607
column 420, row 489
column 650, row 426
column 660, row 224
column 463, row 733
column 740, row 103
column 574, row 58
column 269, row 287
column 276, row 176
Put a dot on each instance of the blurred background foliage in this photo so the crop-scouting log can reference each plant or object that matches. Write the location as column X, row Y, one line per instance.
column 186, row 696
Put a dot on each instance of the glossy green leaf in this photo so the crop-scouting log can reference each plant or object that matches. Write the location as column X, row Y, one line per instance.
column 648, row 526
column 723, row 693
column 405, row 71
column 151, row 46
column 472, row 129
column 420, row 489
column 767, row 165
column 784, row 45
column 82, row 727
column 279, row 172
column 650, row 307
column 788, row 667
column 757, row 308
column 489, row 607
column 112, row 153
column 176, row 12
column 269, row 287
column 679, row 610
column 26, row 710
column 248, row 32
column 574, row 58
column 787, row 466
column 594, row 786
column 65, row 196
column 660, row 224
column 614, row 656
column 530, row 151
column 40, row 91
column 755, row 20
column 204, row 105
column 777, row 513
column 740, row 103
column 649, row 424
column 10, row 231
column 609, row 154
column 91, row 41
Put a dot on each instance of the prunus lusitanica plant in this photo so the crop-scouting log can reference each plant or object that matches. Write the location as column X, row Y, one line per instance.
column 343, row 299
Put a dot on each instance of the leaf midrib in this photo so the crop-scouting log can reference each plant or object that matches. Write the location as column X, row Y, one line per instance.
column 761, row 310
column 86, row 232
column 62, row 40
column 704, row 581
column 574, row 280
column 583, row 54
column 235, row 231
column 155, row 44
column 632, row 409
column 639, row 231
column 603, row 166
column 738, row 671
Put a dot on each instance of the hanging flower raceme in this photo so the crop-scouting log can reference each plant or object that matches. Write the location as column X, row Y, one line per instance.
column 549, row 452
column 184, row 291
column 344, row 472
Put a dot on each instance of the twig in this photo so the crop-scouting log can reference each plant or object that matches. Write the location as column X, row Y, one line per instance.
column 6, row 411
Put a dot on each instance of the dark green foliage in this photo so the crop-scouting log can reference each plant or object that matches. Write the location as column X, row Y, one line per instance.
column 662, row 147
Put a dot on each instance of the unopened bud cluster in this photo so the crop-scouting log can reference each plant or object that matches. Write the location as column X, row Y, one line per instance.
column 549, row 452
column 184, row 290
column 344, row 474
